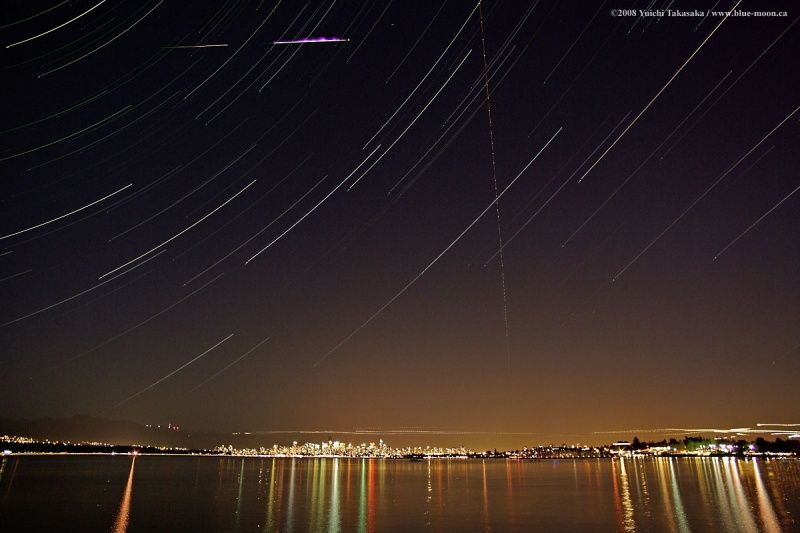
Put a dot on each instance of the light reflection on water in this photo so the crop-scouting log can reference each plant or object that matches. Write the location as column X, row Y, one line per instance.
column 123, row 515
column 767, row 513
column 629, row 524
column 95, row 493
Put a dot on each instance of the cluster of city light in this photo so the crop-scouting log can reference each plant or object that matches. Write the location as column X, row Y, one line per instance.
column 14, row 439
column 335, row 448
column 381, row 450
column 563, row 451
column 27, row 445
column 715, row 447
column 690, row 446
column 18, row 440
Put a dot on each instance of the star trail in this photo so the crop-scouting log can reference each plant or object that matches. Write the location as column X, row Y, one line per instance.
column 175, row 174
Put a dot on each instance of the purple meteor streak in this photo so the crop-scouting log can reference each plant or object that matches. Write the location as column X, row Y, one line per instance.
column 314, row 40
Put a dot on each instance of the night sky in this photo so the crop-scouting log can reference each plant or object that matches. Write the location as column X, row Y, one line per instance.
column 321, row 215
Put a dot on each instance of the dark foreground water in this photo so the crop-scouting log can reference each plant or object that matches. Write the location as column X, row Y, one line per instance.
column 148, row 493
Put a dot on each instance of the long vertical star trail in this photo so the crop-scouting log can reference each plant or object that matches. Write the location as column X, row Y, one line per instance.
column 494, row 183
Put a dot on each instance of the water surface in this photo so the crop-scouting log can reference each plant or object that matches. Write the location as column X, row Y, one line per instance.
column 170, row 493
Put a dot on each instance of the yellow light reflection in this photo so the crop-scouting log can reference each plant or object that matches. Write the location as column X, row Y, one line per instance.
column 124, row 513
column 662, row 480
column 333, row 514
column 683, row 525
column 765, row 510
column 745, row 516
column 269, row 523
column 290, row 498
column 627, row 503
column 362, row 499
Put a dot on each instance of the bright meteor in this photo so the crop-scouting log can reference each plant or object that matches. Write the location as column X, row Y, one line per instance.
column 310, row 40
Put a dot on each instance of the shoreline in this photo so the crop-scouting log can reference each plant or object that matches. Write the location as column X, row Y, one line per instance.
column 766, row 455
